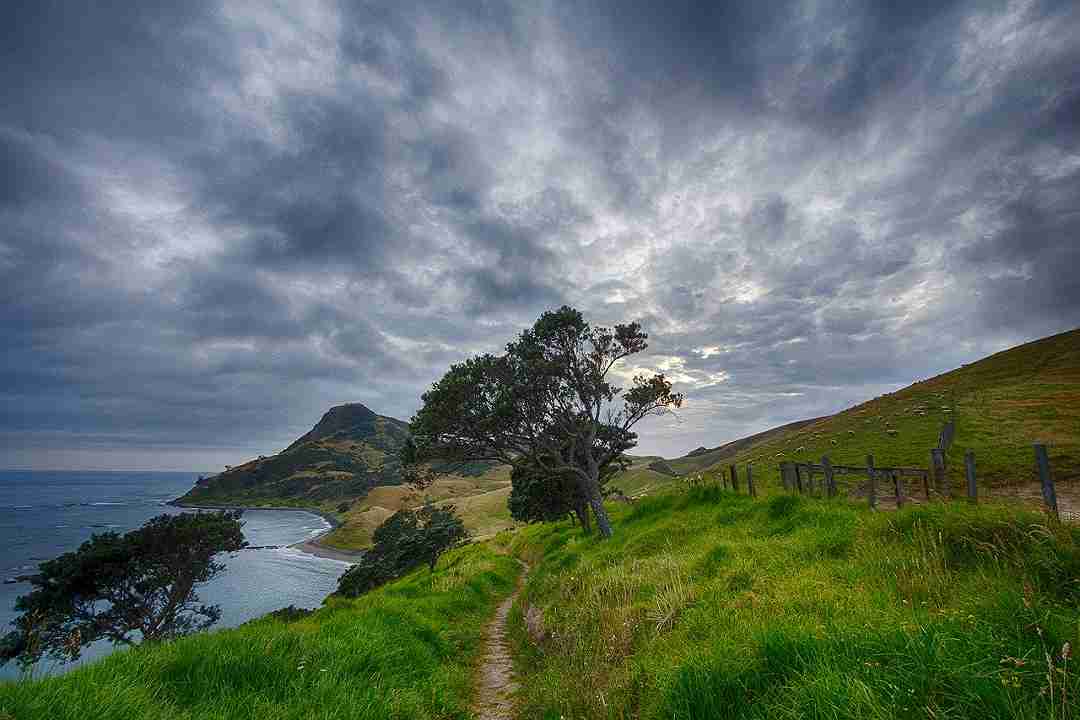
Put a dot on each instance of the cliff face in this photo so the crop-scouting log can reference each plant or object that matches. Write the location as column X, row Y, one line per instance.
column 350, row 450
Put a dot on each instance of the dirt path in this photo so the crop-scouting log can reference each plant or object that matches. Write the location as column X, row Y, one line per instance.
column 496, row 686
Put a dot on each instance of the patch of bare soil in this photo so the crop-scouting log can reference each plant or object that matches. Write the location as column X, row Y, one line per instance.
column 1068, row 498
column 495, row 684
column 1028, row 495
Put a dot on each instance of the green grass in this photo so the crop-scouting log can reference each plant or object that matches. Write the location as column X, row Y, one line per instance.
column 711, row 605
column 404, row 651
column 1001, row 405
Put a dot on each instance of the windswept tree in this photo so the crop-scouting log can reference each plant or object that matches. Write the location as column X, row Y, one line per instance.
column 537, row 495
column 136, row 587
column 404, row 540
column 547, row 404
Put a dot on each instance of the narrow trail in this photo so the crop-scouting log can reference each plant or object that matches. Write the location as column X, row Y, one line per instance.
column 496, row 686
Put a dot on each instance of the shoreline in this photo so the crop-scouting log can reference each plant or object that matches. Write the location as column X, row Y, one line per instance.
column 311, row 545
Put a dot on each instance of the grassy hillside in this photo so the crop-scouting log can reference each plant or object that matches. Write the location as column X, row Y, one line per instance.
column 348, row 452
column 703, row 458
column 347, row 468
column 1001, row 405
column 479, row 499
column 404, row 651
column 713, row 605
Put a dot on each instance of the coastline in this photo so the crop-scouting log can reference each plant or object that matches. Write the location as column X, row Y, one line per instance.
column 311, row 546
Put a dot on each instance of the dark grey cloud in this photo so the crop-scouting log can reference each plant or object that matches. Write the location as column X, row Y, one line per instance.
column 219, row 218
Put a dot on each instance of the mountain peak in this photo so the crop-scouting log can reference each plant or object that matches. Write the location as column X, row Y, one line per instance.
column 352, row 419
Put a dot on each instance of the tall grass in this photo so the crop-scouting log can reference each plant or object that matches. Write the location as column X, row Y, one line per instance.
column 403, row 651
column 711, row 605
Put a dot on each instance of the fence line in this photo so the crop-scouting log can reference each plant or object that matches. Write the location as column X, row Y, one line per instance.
column 798, row 477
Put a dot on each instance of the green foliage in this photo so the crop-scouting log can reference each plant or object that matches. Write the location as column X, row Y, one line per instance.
column 540, row 496
column 290, row 613
column 406, row 539
column 546, row 403
column 715, row 605
column 128, row 588
column 405, row 650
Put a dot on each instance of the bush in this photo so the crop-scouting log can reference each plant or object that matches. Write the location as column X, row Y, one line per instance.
column 290, row 614
column 406, row 539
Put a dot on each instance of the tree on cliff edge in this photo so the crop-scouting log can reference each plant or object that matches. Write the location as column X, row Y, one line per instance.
column 546, row 404
column 136, row 587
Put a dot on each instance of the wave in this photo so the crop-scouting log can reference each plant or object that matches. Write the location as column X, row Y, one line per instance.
column 62, row 506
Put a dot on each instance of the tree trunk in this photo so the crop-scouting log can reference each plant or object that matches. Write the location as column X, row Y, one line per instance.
column 581, row 509
column 596, row 502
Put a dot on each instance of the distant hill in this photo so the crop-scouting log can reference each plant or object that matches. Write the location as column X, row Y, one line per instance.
column 347, row 468
column 1001, row 405
column 702, row 457
column 348, row 452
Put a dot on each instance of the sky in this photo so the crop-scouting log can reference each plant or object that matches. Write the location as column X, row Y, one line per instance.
column 217, row 220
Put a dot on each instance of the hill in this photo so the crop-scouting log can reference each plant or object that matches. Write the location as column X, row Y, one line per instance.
column 348, row 452
column 480, row 500
column 1000, row 405
column 708, row 604
column 346, row 467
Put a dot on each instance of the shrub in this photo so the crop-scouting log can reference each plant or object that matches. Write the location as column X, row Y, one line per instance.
column 406, row 539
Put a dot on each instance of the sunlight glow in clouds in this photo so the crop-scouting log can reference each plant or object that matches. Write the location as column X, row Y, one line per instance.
column 217, row 219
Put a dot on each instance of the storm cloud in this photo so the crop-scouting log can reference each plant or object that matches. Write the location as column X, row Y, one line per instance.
column 217, row 220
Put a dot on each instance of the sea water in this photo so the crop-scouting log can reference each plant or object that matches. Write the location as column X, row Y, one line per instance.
column 45, row 514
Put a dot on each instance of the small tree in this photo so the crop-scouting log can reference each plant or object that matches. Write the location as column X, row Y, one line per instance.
column 546, row 403
column 406, row 539
column 140, row 586
column 440, row 530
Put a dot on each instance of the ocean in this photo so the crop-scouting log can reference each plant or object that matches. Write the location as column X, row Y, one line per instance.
column 45, row 514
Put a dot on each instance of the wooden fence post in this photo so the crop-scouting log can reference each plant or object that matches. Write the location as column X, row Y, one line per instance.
column 945, row 437
column 750, row 480
column 830, row 477
column 785, row 476
column 1048, row 491
column 872, row 473
column 798, row 478
column 898, row 486
column 937, row 465
column 969, row 470
column 734, row 478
